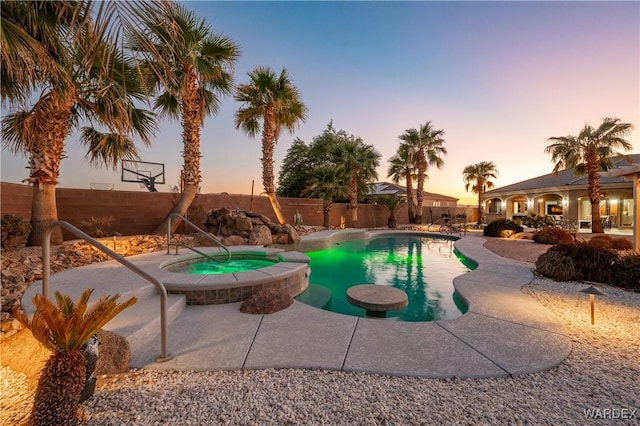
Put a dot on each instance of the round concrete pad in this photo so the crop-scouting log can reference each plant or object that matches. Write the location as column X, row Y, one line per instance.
column 377, row 298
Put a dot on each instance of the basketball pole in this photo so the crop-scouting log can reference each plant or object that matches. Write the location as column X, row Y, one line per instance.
column 251, row 199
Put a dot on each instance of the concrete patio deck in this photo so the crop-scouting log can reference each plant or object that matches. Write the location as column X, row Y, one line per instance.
column 504, row 332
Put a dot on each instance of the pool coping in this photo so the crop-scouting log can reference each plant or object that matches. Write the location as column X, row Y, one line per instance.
column 504, row 332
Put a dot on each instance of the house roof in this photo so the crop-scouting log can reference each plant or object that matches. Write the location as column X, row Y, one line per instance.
column 566, row 178
column 386, row 188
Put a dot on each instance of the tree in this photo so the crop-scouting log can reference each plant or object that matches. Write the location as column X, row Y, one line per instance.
column 273, row 100
column 392, row 202
column 191, row 67
column 328, row 182
column 402, row 166
column 63, row 50
column 360, row 161
column 64, row 328
column 295, row 170
column 477, row 178
column 428, row 147
column 589, row 153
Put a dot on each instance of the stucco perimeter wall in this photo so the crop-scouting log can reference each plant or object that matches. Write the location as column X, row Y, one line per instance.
column 137, row 212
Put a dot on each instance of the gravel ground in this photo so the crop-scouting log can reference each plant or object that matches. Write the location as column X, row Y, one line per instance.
column 602, row 373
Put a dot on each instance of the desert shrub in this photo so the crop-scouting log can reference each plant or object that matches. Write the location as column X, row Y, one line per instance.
column 627, row 272
column 558, row 268
column 621, row 244
column 552, row 235
column 502, row 228
column 600, row 241
column 538, row 222
column 98, row 227
column 14, row 231
column 591, row 263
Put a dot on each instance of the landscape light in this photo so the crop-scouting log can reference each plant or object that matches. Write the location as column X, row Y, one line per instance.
column 592, row 292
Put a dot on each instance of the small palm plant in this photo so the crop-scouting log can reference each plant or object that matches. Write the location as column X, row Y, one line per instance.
column 64, row 328
column 392, row 202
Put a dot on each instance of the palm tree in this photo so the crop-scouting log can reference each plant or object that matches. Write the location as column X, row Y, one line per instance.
column 392, row 202
column 402, row 166
column 589, row 153
column 64, row 328
column 274, row 100
column 191, row 67
column 81, row 75
column 360, row 161
column 477, row 177
column 328, row 182
column 428, row 146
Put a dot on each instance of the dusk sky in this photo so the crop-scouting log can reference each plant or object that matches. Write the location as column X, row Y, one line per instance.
column 499, row 78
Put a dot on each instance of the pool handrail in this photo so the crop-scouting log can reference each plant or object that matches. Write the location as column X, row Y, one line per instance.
column 46, row 275
column 194, row 226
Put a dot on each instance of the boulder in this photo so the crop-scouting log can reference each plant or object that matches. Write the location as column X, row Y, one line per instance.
column 281, row 239
column 294, row 237
column 260, row 236
column 233, row 240
column 242, row 225
column 114, row 353
column 266, row 301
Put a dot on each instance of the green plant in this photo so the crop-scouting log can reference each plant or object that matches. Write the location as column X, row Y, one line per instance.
column 98, row 227
column 552, row 235
column 13, row 227
column 64, row 328
column 502, row 228
column 559, row 268
column 537, row 222
column 600, row 241
column 626, row 272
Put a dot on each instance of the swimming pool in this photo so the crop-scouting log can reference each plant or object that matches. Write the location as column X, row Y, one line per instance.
column 423, row 267
column 207, row 267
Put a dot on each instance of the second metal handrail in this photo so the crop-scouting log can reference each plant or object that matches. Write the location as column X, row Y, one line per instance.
column 46, row 274
column 194, row 226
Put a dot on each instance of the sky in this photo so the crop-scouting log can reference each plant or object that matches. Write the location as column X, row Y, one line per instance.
column 499, row 78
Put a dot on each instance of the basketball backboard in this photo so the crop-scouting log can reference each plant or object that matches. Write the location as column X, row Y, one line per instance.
column 149, row 174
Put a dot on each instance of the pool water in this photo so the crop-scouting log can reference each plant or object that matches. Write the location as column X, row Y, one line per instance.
column 212, row 267
column 422, row 267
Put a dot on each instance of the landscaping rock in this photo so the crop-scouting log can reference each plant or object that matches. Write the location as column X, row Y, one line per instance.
column 234, row 240
column 260, row 236
column 114, row 354
column 266, row 301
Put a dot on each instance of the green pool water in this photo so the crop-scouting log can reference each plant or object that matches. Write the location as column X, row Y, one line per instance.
column 422, row 267
column 234, row 265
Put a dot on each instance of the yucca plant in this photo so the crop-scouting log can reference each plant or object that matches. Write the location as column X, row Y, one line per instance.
column 64, row 328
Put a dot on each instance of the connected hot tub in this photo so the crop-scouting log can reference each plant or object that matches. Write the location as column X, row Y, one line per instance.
column 207, row 282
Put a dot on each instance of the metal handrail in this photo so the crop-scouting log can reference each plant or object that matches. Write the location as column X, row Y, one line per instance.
column 194, row 226
column 176, row 245
column 46, row 274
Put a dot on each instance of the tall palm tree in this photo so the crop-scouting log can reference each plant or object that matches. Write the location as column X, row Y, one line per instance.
column 360, row 161
column 191, row 67
column 477, row 177
column 428, row 146
column 83, row 76
column 274, row 100
column 64, row 328
column 328, row 181
column 589, row 153
column 402, row 166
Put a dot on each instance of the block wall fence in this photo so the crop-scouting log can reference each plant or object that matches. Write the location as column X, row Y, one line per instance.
column 140, row 212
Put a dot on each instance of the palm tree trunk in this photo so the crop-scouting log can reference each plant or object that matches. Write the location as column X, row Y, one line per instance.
column 421, row 171
column 43, row 212
column 191, row 178
column 45, row 154
column 327, row 205
column 353, row 197
column 411, row 206
column 268, row 145
column 480, row 209
column 594, row 193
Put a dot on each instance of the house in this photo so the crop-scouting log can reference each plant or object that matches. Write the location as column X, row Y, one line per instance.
column 429, row 199
column 565, row 196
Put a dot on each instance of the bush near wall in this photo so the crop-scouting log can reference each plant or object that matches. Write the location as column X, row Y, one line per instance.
column 502, row 228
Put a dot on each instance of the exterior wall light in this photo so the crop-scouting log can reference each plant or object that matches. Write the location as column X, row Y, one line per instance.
column 592, row 292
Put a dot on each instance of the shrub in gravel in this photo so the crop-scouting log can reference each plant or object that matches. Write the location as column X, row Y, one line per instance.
column 590, row 263
column 558, row 268
column 502, row 228
column 538, row 222
column 552, row 235
column 14, row 231
column 627, row 272
column 600, row 241
column 621, row 244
